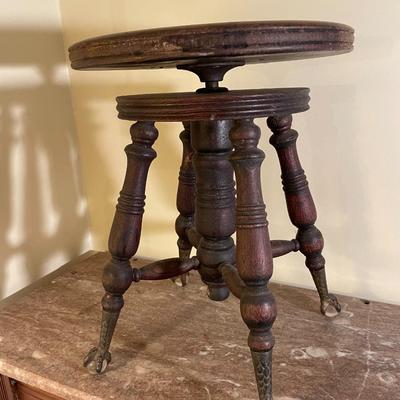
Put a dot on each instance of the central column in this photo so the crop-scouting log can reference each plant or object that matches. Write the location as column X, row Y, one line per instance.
column 215, row 201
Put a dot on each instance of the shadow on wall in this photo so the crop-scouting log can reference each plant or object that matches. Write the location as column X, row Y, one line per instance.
column 102, row 138
column 102, row 141
column 43, row 217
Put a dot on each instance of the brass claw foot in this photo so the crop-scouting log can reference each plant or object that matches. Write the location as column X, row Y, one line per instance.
column 96, row 362
column 330, row 306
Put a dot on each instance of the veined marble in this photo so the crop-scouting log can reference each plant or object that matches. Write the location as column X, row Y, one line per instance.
column 174, row 343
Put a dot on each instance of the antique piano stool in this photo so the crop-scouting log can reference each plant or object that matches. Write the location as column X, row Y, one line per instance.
column 219, row 152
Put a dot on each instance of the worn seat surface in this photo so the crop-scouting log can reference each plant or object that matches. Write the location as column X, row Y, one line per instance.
column 244, row 42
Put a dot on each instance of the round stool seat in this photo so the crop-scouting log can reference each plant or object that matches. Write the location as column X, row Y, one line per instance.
column 234, row 104
column 241, row 42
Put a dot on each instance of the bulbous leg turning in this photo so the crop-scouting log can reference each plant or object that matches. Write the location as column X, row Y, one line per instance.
column 124, row 240
column 253, row 252
column 301, row 208
column 185, row 201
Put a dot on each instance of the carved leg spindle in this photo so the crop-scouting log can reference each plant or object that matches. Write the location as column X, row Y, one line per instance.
column 301, row 207
column 185, row 199
column 253, row 252
column 215, row 202
column 124, row 239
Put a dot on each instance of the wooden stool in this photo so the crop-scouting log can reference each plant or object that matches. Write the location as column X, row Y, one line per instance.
column 219, row 142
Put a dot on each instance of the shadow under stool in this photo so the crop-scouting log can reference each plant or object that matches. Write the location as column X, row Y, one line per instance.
column 220, row 152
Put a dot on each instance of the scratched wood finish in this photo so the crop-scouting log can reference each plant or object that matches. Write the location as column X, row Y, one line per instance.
column 246, row 42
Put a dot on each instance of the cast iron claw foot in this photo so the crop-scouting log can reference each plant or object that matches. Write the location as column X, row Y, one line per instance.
column 330, row 306
column 96, row 362
column 262, row 362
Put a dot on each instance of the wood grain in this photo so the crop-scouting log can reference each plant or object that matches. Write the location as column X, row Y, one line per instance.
column 27, row 392
column 248, row 42
column 6, row 392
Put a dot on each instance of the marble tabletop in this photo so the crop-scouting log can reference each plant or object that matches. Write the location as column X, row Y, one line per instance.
column 174, row 343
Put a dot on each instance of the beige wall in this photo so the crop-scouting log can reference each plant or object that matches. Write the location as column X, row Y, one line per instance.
column 43, row 216
column 349, row 140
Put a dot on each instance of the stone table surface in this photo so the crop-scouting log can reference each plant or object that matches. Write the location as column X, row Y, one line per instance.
column 174, row 343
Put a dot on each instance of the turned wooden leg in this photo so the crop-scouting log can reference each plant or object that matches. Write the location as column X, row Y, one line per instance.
column 185, row 199
column 215, row 202
column 124, row 239
column 301, row 207
column 253, row 252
